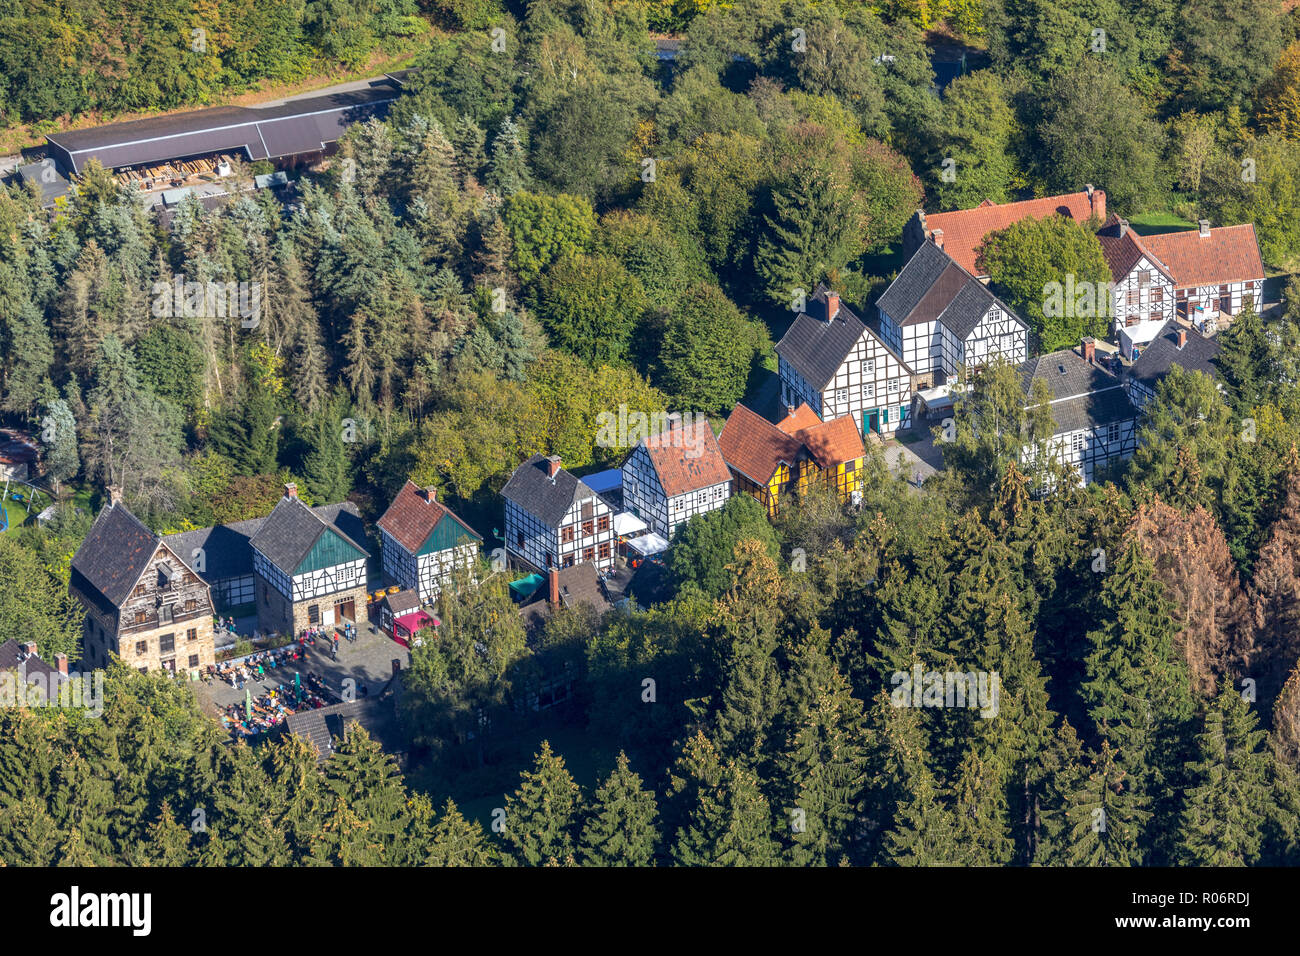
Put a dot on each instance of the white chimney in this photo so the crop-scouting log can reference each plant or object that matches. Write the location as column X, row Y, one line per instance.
column 1204, row 227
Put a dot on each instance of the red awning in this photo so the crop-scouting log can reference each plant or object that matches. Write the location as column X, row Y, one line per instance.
column 414, row 620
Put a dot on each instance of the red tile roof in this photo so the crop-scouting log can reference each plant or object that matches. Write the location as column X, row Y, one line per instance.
column 1227, row 254
column 801, row 417
column 754, row 446
column 830, row 443
column 410, row 519
column 1123, row 252
column 687, row 458
column 964, row 230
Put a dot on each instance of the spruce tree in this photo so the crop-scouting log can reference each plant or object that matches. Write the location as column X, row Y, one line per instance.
column 1107, row 816
column 459, row 842
column 542, row 813
column 1223, row 813
column 621, row 822
column 730, row 824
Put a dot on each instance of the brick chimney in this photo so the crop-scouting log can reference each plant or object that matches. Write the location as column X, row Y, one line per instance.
column 61, row 662
column 1182, row 337
column 553, row 586
column 28, row 649
column 114, row 493
column 291, row 490
column 1203, row 225
column 832, row 305
column 552, row 466
column 937, row 236
column 430, row 494
column 1088, row 349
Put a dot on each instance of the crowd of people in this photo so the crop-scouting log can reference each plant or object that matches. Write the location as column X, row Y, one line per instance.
column 267, row 711
column 255, row 666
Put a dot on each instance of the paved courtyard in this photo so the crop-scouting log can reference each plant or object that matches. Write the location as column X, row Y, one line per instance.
column 368, row 661
column 917, row 460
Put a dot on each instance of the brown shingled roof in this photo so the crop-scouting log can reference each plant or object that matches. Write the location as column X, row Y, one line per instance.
column 754, row 446
column 964, row 230
column 687, row 458
column 1227, row 254
column 411, row 518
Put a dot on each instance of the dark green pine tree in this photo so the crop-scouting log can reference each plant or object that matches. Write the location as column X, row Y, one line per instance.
column 730, row 824
column 981, row 822
column 1224, row 810
column 325, row 466
column 28, row 834
column 1136, row 690
column 299, row 805
column 459, row 842
column 360, row 776
column 542, row 813
column 168, row 841
column 1061, row 773
column 1106, row 816
column 621, row 822
column 1245, row 362
column 924, row 831
column 821, row 771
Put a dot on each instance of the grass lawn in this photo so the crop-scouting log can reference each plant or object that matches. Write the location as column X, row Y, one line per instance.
column 1144, row 224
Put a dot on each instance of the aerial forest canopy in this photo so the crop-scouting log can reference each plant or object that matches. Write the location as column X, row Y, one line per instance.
column 552, row 223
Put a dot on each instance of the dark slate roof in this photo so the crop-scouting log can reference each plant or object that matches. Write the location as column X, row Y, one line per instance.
column 1084, row 394
column 227, row 550
column 816, row 346
column 579, row 584
column 113, row 556
column 12, row 658
column 1162, row 354
column 267, row 132
column 226, row 553
column 376, row 714
column 933, row 287
column 291, row 529
column 546, row 498
column 402, row 602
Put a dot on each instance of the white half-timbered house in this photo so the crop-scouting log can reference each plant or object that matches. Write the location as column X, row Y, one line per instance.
column 1214, row 270
column 308, row 572
column 945, row 322
column 837, row 365
column 1141, row 297
column 553, row 520
column 1095, row 423
column 422, row 541
column 1175, row 345
column 671, row 477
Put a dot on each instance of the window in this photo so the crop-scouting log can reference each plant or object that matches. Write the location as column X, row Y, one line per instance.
column 893, row 385
column 165, row 613
column 566, row 534
column 869, row 367
column 141, row 648
column 141, row 616
column 588, row 529
column 604, row 552
column 1112, row 432
column 588, row 554
column 1076, row 441
column 139, row 590
column 851, row 465
column 1132, row 296
column 313, row 614
column 192, row 634
column 841, row 396
column 519, row 540
column 602, row 523
column 1157, row 294
column 194, row 660
column 167, row 644
column 191, row 604
column 869, row 390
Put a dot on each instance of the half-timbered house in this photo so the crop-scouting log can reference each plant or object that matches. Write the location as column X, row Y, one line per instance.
column 944, row 322
column 837, row 365
column 670, row 477
column 1175, row 345
column 1095, row 424
column 308, row 572
column 961, row 233
column 422, row 541
column 143, row 602
column 1214, row 270
column 1141, row 297
column 834, row 446
column 552, row 519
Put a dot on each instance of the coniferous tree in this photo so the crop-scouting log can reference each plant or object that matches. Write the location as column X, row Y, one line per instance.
column 542, row 813
column 729, row 825
column 1223, row 814
column 459, row 842
column 1107, row 817
column 621, row 822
